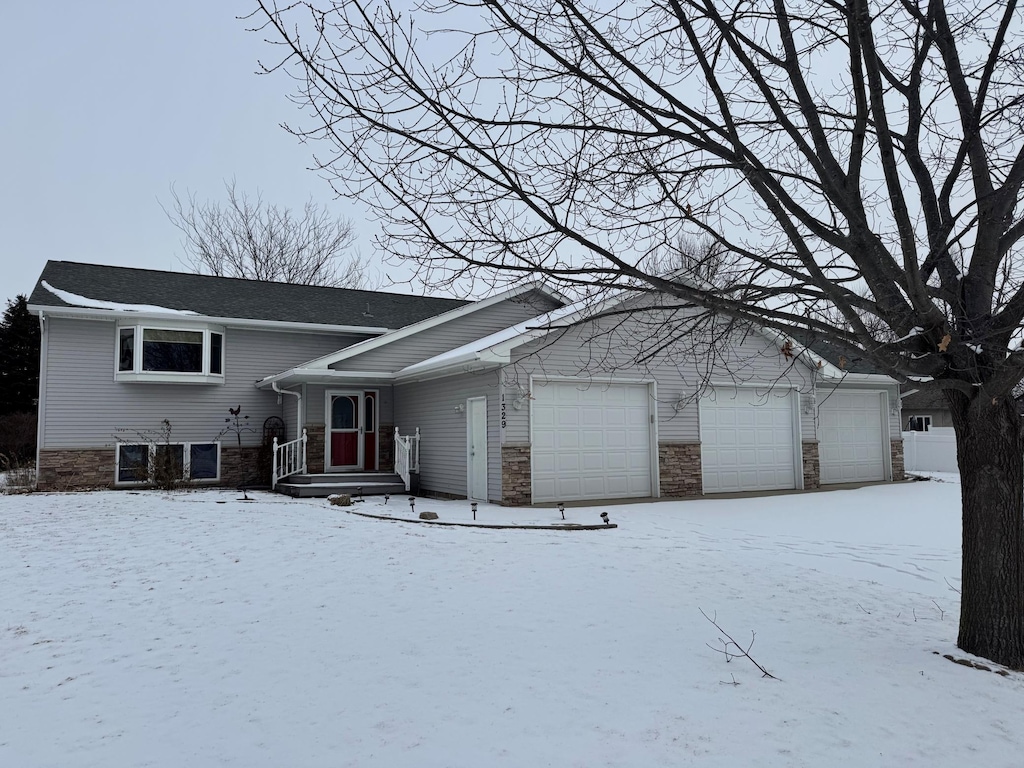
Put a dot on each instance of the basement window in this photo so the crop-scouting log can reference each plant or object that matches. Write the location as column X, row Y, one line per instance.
column 139, row 463
column 152, row 353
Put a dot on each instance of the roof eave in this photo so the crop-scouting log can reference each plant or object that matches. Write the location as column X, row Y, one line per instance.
column 89, row 313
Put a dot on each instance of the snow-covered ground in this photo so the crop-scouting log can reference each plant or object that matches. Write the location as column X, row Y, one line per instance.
column 144, row 629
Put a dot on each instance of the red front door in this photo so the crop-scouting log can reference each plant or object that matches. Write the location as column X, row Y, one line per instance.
column 352, row 431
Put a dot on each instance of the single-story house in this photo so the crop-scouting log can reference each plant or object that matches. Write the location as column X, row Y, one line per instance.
column 516, row 398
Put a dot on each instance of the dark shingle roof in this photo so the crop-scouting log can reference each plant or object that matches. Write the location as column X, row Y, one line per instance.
column 232, row 297
column 928, row 399
column 852, row 363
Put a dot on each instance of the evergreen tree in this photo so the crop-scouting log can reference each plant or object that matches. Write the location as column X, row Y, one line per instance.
column 19, row 359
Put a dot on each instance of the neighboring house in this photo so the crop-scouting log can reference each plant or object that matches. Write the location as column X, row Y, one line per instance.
column 516, row 398
column 924, row 410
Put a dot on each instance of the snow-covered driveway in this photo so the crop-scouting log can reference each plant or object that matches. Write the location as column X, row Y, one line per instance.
column 141, row 629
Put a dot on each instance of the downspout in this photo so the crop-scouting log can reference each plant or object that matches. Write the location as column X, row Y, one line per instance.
column 298, row 403
column 41, row 407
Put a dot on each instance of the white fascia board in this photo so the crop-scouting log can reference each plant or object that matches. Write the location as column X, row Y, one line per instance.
column 868, row 378
column 322, row 376
column 468, row 363
column 86, row 313
column 424, row 325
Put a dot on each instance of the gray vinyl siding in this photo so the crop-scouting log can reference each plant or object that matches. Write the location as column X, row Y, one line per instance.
column 607, row 350
column 455, row 333
column 895, row 427
column 290, row 414
column 316, row 400
column 86, row 407
column 431, row 406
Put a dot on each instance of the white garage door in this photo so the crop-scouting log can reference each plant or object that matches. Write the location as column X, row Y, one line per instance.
column 747, row 440
column 851, row 437
column 591, row 442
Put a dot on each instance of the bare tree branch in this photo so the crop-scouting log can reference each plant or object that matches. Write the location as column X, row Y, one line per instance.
column 249, row 238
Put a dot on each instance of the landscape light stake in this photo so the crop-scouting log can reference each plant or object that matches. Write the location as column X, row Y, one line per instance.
column 561, row 508
column 412, row 504
column 604, row 517
column 473, row 505
column 359, row 493
column 386, row 497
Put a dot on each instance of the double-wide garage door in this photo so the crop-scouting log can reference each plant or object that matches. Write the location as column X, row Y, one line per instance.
column 852, row 442
column 748, row 439
column 591, row 441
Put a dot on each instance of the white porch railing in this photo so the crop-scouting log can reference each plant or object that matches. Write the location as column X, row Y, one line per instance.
column 407, row 455
column 289, row 459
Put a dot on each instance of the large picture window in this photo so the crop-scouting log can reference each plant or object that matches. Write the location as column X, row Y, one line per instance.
column 189, row 355
column 139, row 463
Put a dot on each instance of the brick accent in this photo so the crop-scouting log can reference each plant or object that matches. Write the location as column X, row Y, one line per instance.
column 240, row 465
column 898, row 467
column 679, row 469
column 315, row 448
column 74, row 470
column 516, row 478
column 812, row 465
column 386, row 447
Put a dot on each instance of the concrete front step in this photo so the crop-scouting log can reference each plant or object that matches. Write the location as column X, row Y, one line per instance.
column 308, row 489
column 347, row 478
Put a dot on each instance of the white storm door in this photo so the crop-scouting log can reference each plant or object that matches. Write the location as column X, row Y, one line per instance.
column 852, row 440
column 344, row 431
column 476, row 448
column 747, row 439
column 590, row 440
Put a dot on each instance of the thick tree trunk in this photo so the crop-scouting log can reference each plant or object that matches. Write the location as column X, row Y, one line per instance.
column 990, row 453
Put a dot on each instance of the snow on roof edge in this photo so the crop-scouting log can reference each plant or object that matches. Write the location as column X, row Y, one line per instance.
column 81, row 301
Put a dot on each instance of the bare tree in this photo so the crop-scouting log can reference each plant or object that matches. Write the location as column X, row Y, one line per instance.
column 250, row 238
column 859, row 166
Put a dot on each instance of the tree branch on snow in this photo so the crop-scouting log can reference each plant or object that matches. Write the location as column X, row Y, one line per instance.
column 731, row 649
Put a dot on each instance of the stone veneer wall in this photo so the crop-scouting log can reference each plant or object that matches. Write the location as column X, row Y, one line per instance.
column 386, row 447
column 679, row 469
column 898, row 467
column 812, row 465
column 240, row 465
column 315, row 448
column 78, row 469
column 516, row 479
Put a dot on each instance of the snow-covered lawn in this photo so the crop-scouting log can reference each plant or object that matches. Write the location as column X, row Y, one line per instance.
column 144, row 629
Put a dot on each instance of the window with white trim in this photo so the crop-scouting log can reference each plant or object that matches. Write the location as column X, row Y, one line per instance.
column 154, row 352
column 137, row 463
column 919, row 424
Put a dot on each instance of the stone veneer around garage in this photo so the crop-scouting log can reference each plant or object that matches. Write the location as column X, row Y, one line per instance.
column 679, row 469
column 812, row 465
column 516, row 478
column 898, row 467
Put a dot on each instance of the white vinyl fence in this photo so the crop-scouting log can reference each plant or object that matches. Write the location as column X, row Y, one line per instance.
column 931, row 451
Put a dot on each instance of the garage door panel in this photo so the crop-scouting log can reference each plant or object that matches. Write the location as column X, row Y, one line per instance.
column 853, row 440
column 747, row 440
column 605, row 429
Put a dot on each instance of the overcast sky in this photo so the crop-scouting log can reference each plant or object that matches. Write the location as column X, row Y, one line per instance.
column 108, row 103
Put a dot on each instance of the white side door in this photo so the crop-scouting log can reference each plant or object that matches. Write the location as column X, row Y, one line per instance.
column 476, row 448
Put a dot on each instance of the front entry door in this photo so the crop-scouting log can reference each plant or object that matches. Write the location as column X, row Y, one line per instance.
column 351, row 431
